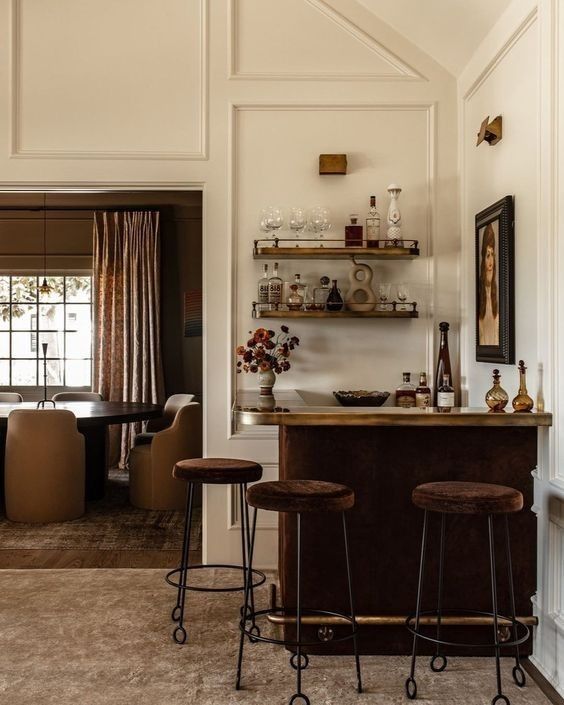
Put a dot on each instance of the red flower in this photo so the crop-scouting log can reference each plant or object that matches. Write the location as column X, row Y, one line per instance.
column 261, row 335
column 264, row 366
column 241, row 350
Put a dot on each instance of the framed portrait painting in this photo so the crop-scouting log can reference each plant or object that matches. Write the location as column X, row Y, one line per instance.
column 495, row 305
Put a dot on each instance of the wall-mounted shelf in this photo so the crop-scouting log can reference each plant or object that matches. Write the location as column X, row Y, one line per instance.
column 307, row 248
column 392, row 313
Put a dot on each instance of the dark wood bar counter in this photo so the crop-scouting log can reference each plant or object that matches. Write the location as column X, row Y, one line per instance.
column 383, row 454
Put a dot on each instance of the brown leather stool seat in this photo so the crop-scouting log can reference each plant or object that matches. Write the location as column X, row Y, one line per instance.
column 217, row 471
column 300, row 496
column 467, row 498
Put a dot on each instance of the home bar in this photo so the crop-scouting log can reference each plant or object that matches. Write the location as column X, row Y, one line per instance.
column 383, row 454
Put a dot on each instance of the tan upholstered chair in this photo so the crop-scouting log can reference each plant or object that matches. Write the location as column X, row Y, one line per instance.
column 44, row 472
column 172, row 404
column 151, row 484
column 10, row 398
column 77, row 396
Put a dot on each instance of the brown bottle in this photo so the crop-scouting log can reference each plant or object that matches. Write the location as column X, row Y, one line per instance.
column 405, row 393
column 422, row 393
column 522, row 402
column 443, row 361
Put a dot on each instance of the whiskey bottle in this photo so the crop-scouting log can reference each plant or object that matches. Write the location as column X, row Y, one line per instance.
column 372, row 224
column 405, row 393
column 443, row 361
column 275, row 288
column 422, row 393
column 445, row 394
column 263, row 287
column 353, row 232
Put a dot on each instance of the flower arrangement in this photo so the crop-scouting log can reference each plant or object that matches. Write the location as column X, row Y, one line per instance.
column 267, row 350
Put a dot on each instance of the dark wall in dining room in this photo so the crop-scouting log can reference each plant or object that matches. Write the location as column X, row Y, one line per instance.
column 69, row 247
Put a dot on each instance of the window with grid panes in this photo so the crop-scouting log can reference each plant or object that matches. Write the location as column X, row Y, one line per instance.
column 62, row 319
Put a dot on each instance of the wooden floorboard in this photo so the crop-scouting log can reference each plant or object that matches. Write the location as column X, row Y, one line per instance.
column 92, row 559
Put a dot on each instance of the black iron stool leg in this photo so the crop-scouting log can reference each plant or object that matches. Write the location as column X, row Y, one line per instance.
column 296, row 659
column 354, row 624
column 500, row 696
column 179, row 633
column 440, row 657
column 246, row 606
column 517, row 672
column 410, row 683
column 246, row 546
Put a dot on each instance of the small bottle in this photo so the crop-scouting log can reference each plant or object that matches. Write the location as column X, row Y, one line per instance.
column 445, row 394
column 263, row 287
column 496, row 397
column 372, row 224
column 353, row 232
column 405, row 393
column 522, row 402
column 320, row 294
column 443, row 361
column 422, row 393
column 334, row 298
column 302, row 288
column 295, row 300
column 275, row 288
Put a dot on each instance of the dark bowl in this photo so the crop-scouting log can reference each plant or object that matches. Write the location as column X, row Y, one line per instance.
column 361, row 398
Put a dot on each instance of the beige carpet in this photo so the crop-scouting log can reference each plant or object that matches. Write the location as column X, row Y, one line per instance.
column 83, row 637
column 110, row 524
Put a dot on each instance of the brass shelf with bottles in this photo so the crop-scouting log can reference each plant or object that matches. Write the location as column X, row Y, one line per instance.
column 391, row 312
column 309, row 248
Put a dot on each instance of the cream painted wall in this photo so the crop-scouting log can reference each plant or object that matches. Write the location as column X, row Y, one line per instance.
column 192, row 94
column 515, row 72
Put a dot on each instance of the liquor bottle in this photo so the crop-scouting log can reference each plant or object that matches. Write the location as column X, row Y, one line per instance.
column 263, row 287
column 353, row 232
column 275, row 288
column 522, row 402
column 302, row 288
column 445, row 394
column 320, row 294
column 405, row 393
column 295, row 300
column 496, row 397
column 334, row 298
column 372, row 224
column 443, row 362
column 422, row 393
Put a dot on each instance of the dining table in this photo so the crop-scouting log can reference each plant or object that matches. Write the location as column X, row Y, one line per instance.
column 92, row 419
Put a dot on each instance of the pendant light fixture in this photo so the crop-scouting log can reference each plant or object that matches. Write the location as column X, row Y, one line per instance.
column 44, row 289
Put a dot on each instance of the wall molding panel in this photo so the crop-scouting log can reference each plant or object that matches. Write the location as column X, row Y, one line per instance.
column 19, row 150
column 391, row 67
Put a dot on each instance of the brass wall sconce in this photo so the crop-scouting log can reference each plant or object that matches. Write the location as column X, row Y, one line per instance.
column 491, row 132
column 332, row 164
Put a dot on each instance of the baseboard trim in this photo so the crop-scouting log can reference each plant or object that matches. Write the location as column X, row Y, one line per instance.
column 542, row 683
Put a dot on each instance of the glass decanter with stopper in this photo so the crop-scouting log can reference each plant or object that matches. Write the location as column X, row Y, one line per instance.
column 497, row 398
column 334, row 299
column 522, row 402
column 295, row 300
column 320, row 294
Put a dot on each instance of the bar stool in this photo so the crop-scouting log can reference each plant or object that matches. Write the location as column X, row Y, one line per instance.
column 213, row 471
column 473, row 498
column 297, row 497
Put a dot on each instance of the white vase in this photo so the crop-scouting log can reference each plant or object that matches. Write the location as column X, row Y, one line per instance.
column 267, row 378
column 360, row 296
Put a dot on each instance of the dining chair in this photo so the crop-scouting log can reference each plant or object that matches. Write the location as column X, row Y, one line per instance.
column 10, row 398
column 46, row 486
column 77, row 396
column 172, row 405
column 151, row 484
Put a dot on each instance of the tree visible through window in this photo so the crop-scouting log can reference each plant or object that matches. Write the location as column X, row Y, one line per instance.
column 62, row 319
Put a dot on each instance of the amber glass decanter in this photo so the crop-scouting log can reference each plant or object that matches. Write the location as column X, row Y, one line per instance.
column 522, row 401
column 497, row 398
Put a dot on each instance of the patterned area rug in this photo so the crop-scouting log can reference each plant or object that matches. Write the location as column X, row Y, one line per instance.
column 110, row 524
column 98, row 637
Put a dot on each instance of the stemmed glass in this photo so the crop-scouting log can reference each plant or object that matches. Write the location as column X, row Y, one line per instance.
column 383, row 295
column 319, row 221
column 298, row 221
column 271, row 219
column 403, row 293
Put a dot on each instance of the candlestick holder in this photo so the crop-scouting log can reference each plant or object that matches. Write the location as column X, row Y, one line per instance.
column 41, row 404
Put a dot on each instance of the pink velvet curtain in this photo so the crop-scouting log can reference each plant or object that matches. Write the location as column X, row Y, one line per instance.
column 126, row 312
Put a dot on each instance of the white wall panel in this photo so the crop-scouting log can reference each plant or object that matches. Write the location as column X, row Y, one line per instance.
column 108, row 78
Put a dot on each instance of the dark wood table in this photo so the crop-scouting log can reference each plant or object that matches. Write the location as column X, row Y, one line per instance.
column 92, row 418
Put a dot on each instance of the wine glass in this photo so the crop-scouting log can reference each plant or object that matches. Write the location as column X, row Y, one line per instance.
column 383, row 295
column 298, row 221
column 271, row 219
column 319, row 221
column 403, row 294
